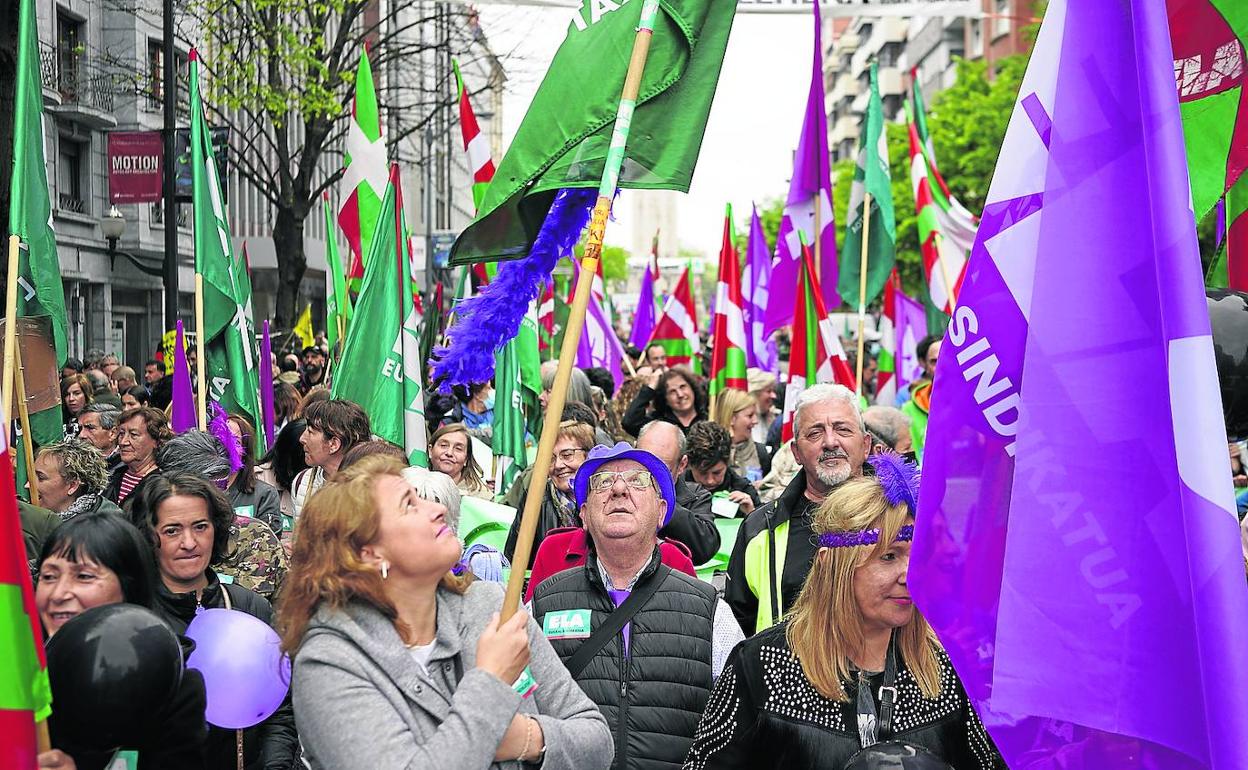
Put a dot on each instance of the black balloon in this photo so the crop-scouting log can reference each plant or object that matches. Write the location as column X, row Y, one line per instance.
column 1228, row 315
column 895, row 755
column 111, row 669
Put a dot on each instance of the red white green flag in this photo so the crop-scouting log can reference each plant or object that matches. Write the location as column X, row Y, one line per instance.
column 886, row 378
column 546, row 319
column 677, row 330
column 365, row 175
column 944, row 259
column 728, row 326
column 816, row 355
column 475, row 143
column 25, row 695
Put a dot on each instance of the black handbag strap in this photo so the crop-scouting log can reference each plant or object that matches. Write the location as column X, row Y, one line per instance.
column 616, row 621
column 888, row 692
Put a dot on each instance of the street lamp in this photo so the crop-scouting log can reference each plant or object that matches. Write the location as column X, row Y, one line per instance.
column 113, row 225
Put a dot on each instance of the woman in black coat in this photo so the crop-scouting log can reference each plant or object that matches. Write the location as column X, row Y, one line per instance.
column 674, row 396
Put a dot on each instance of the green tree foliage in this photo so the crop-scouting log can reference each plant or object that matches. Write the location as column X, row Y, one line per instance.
column 614, row 263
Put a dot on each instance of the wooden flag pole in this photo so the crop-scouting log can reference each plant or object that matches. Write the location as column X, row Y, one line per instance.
column 580, row 303
column 10, row 331
column 944, row 274
column 818, row 248
column 862, row 289
column 200, row 376
column 23, row 413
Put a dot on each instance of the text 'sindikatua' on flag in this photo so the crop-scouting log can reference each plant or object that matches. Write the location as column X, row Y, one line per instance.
column 810, row 200
column 760, row 347
column 228, row 334
column 40, row 292
column 870, row 176
column 728, row 326
column 381, row 367
column 364, row 177
column 817, row 355
column 1095, row 608
column 518, row 386
column 476, row 144
column 677, row 330
column 564, row 138
column 25, row 695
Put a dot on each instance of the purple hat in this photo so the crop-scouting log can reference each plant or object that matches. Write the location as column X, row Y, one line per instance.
column 603, row 454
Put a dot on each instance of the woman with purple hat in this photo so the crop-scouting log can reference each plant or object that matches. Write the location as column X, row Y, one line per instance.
column 854, row 667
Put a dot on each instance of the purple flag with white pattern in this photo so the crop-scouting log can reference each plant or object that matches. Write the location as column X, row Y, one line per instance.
column 810, row 190
column 760, row 348
column 1077, row 549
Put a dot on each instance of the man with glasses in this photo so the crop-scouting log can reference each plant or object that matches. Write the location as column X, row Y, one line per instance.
column 644, row 641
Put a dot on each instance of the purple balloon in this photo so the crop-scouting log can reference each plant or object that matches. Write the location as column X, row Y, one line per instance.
column 246, row 675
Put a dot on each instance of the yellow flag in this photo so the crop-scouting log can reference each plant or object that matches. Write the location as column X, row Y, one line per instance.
column 304, row 327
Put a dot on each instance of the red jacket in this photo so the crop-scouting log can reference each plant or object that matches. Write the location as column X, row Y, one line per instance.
column 567, row 547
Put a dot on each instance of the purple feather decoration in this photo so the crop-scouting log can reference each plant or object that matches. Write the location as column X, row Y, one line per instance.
column 220, row 427
column 898, row 477
column 486, row 322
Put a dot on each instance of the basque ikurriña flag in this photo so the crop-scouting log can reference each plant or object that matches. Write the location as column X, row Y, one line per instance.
column 1077, row 549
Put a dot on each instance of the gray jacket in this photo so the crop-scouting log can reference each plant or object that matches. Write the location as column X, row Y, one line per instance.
column 362, row 702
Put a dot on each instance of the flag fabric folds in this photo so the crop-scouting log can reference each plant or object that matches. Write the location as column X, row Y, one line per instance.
column 183, row 416
column 909, row 328
column 476, row 144
column 564, row 137
column 677, row 330
column 1208, row 39
column 644, row 318
column 886, row 360
column 364, row 177
column 546, row 319
column 228, row 334
column 518, row 385
column 598, row 345
column 337, row 300
column 381, row 368
column 728, row 339
column 870, row 176
column 760, row 348
column 30, row 210
column 267, row 413
column 810, row 199
column 1065, row 583
column 817, row 355
column 303, row 327
column 25, row 695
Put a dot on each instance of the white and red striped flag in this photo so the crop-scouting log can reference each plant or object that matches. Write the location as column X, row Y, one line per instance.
column 476, row 145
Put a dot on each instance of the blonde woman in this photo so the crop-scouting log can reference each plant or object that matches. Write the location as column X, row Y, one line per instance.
column 450, row 452
column 398, row 662
column 737, row 412
column 854, row 665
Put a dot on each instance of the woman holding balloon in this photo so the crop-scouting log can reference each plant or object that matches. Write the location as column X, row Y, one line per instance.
column 382, row 630
column 96, row 580
column 189, row 519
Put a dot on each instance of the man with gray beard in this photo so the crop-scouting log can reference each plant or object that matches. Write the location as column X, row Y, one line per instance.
column 775, row 546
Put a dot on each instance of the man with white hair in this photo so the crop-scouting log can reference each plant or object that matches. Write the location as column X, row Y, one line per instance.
column 775, row 546
column 889, row 428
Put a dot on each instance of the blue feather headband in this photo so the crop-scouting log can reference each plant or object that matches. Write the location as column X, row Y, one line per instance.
column 486, row 322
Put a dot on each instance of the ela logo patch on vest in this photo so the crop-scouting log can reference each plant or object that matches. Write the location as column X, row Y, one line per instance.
column 567, row 624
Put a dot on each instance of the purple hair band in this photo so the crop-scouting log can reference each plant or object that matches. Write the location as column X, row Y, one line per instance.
column 862, row 537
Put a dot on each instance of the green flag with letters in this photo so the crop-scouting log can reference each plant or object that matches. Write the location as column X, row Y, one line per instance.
column 563, row 139
column 870, row 176
column 380, row 368
column 517, row 386
column 231, row 375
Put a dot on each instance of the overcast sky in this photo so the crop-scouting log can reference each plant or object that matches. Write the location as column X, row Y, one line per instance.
column 757, row 113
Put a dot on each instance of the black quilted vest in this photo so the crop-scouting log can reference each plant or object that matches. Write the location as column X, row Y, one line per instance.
column 654, row 699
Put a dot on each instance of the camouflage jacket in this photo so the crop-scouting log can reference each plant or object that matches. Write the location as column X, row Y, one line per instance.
column 255, row 558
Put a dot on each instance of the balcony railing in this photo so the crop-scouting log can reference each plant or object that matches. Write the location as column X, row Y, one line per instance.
column 79, row 79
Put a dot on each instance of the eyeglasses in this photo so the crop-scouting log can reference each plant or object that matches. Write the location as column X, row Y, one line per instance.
column 604, row 480
column 568, row 455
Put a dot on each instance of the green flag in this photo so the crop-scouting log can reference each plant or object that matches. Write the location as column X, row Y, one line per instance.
column 517, row 380
column 380, row 368
column 337, row 301
column 229, row 334
column 30, row 212
column 871, row 176
column 564, row 137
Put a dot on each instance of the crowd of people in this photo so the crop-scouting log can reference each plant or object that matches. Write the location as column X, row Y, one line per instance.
column 805, row 651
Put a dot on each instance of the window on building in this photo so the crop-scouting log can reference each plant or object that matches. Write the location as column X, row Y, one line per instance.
column 71, row 169
column 69, row 53
column 1001, row 22
column 977, row 40
column 156, row 78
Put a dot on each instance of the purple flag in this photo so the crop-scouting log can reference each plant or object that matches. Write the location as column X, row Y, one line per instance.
column 809, row 189
column 645, row 317
column 1077, row 550
column 266, row 385
column 911, row 327
column 598, row 344
column 184, row 415
column 760, row 349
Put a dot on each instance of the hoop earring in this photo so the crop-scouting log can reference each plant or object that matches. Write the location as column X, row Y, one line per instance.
column 385, row 570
